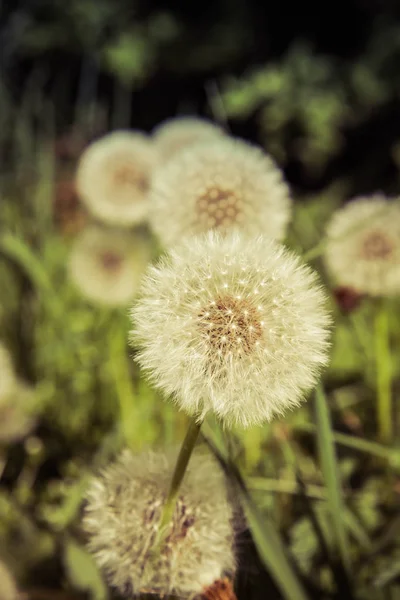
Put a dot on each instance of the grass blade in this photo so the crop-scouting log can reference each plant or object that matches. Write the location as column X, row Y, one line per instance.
column 266, row 537
column 330, row 472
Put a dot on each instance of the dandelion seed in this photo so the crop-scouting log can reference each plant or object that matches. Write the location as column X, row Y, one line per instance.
column 174, row 135
column 122, row 516
column 106, row 264
column 224, row 184
column 212, row 344
column 363, row 246
column 113, row 177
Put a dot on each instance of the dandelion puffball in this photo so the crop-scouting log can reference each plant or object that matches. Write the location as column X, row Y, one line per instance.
column 174, row 135
column 363, row 246
column 232, row 325
column 223, row 184
column 8, row 588
column 113, row 177
column 106, row 264
column 122, row 516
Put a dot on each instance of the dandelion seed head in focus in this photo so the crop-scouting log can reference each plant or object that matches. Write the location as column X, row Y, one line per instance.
column 363, row 246
column 113, row 177
column 122, row 516
column 106, row 264
column 231, row 325
column 223, row 184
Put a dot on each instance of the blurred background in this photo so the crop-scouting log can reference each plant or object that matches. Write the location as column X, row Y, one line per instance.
column 317, row 86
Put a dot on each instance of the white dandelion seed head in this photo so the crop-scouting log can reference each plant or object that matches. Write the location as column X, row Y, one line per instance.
column 179, row 133
column 106, row 265
column 224, row 184
column 122, row 518
column 363, row 246
column 113, row 177
column 231, row 325
column 8, row 587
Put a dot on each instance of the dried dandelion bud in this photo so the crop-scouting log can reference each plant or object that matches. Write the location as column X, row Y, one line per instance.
column 106, row 265
column 8, row 588
column 224, row 184
column 232, row 325
column 363, row 246
column 122, row 517
column 180, row 133
column 113, row 177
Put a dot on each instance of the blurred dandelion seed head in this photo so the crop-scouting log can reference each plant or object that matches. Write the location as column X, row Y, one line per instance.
column 174, row 135
column 221, row 184
column 122, row 516
column 106, row 264
column 113, row 177
column 363, row 246
column 234, row 326
column 8, row 588
column 7, row 375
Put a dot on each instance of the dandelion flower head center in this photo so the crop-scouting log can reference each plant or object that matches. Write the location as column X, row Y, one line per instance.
column 110, row 261
column 128, row 176
column 377, row 246
column 231, row 325
column 217, row 208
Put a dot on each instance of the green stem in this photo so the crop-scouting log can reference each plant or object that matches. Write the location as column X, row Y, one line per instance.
column 123, row 384
column 182, row 462
column 18, row 251
column 383, row 375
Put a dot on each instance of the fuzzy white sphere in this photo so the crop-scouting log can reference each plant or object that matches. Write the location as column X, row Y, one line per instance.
column 179, row 133
column 222, row 184
column 122, row 517
column 363, row 246
column 234, row 326
column 106, row 265
column 8, row 587
column 113, row 177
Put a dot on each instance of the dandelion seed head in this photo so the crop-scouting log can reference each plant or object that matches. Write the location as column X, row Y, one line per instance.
column 235, row 326
column 106, row 264
column 8, row 587
column 179, row 133
column 363, row 246
column 122, row 517
column 113, row 177
column 223, row 184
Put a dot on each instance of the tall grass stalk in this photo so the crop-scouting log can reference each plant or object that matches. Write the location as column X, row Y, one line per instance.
column 383, row 374
column 330, row 471
column 269, row 543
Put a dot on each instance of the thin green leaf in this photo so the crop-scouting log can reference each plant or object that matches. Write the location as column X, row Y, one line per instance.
column 330, row 471
column 266, row 537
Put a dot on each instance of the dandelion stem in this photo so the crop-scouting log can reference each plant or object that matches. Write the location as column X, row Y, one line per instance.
column 383, row 374
column 182, row 462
